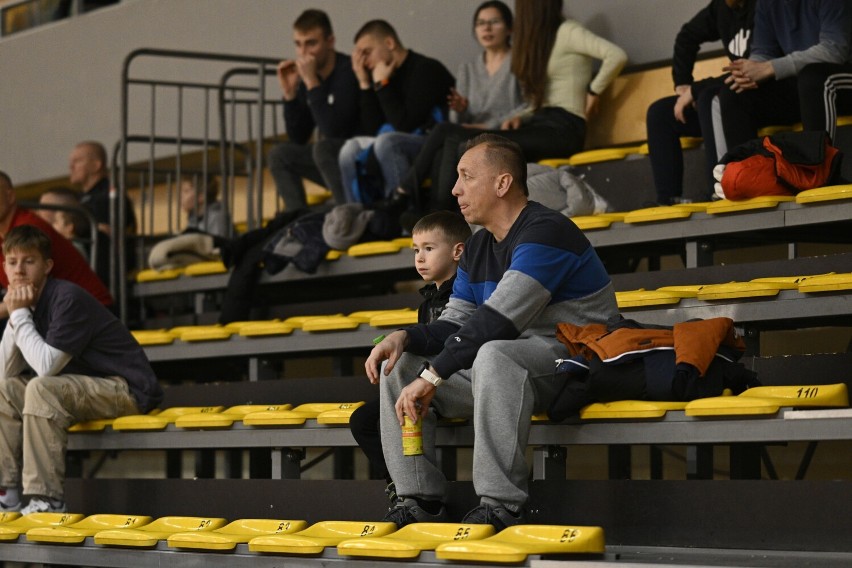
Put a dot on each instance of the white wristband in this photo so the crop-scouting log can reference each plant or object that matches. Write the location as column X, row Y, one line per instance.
column 431, row 377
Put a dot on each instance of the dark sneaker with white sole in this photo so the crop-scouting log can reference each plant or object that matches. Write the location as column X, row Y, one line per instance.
column 498, row 517
column 408, row 511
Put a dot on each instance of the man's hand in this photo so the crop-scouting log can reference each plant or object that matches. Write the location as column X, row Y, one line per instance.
column 383, row 70
column 389, row 349
column 746, row 74
column 288, row 78
column 684, row 100
column 307, row 68
column 414, row 400
column 457, row 102
column 511, row 124
column 21, row 296
column 359, row 67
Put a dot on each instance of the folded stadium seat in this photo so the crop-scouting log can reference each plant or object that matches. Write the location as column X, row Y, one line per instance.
column 739, row 290
column 316, row 537
column 161, row 420
column 297, row 416
column 151, row 275
column 92, row 425
column 684, row 291
column 517, row 543
column 5, row 517
column 394, row 318
column 236, row 326
column 373, row 248
column 77, row 532
column 828, row 193
column 641, row 298
column 404, row 242
column 629, row 409
column 227, row 417
column 317, row 197
column 234, row 533
column 364, row 316
column 265, row 329
column 592, row 157
column 769, row 400
column 330, row 323
column 160, row 529
column 205, row 268
column 205, row 333
column 599, row 221
column 334, row 254
column 776, row 128
column 783, row 282
column 826, row 283
column 153, row 337
column 298, row 321
column 409, row 541
column 686, row 143
column 761, row 202
column 664, row 213
column 338, row 416
column 11, row 530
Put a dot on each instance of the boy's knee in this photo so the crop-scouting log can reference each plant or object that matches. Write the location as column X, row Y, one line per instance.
column 43, row 397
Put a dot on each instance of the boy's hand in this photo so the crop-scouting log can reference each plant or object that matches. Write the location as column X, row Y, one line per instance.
column 390, row 349
column 20, row 296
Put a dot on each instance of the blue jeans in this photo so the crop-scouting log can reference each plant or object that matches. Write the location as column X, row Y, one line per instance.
column 395, row 151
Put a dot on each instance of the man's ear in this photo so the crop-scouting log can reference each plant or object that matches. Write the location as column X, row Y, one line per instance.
column 330, row 40
column 458, row 249
column 504, row 182
column 49, row 263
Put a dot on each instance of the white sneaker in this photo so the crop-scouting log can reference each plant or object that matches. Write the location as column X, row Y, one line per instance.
column 43, row 505
column 10, row 501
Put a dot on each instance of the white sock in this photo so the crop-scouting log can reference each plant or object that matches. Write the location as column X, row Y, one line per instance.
column 9, row 496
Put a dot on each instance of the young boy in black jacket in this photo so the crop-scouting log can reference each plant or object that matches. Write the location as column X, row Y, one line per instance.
column 438, row 244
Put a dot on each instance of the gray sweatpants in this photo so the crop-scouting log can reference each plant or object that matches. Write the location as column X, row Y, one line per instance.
column 34, row 418
column 508, row 383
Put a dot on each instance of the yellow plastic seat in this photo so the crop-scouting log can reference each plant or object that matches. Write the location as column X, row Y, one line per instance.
column 161, row 420
column 76, row 533
column 364, row 316
column 638, row 298
column 298, row 321
column 334, row 254
column 592, row 222
column 234, row 533
column 411, row 540
column 739, row 290
column 686, row 142
column 762, row 202
column 771, row 129
column 769, row 400
column 404, row 242
column 316, row 537
column 11, row 530
column 265, row 329
column 826, row 283
column 317, row 197
column 830, row 193
column 684, row 291
column 338, row 416
column 373, row 248
column 593, row 157
column 394, row 319
column 92, row 425
column 151, row 275
column 5, row 517
column 515, row 544
column 206, row 268
column 146, row 337
column 783, row 282
column 160, row 529
column 227, row 417
column 297, row 416
column 330, row 323
column 629, row 409
column 206, row 333
column 657, row 214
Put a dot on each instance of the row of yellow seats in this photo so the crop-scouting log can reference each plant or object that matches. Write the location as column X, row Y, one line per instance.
column 217, row 267
column 212, row 417
column 331, row 322
column 759, row 400
column 682, row 211
column 450, row 541
column 758, row 288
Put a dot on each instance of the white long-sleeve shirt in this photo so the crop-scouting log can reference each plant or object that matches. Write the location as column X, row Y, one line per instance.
column 23, row 347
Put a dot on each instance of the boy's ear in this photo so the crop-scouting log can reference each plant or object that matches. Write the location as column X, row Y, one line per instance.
column 49, row 263
column 458, row 249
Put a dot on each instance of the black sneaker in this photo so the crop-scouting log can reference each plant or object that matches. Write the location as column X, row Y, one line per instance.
column 498, row 517
column 407, row 511
column 390, row 491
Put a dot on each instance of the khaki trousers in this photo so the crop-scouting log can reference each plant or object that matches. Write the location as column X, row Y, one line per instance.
column 34, row 418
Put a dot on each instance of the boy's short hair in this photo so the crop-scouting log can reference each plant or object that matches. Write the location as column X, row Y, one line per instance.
column 28, row 237
column 311, row 19
column 451, row 224
column 378, row 28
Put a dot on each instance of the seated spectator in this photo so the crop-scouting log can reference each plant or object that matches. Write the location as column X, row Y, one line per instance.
column 68, row 263
column 552, row 59
column 88, row 170
column 320, row 92
column 796, row 46
column 204, row 212
column 73, row 225
column 65, row 359
column 438, row 244
column 689, row 112
column 400, row 91
column 486, row 95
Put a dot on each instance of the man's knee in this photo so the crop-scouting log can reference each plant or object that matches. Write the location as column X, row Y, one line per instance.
column 280, row 156
column 44, row 397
